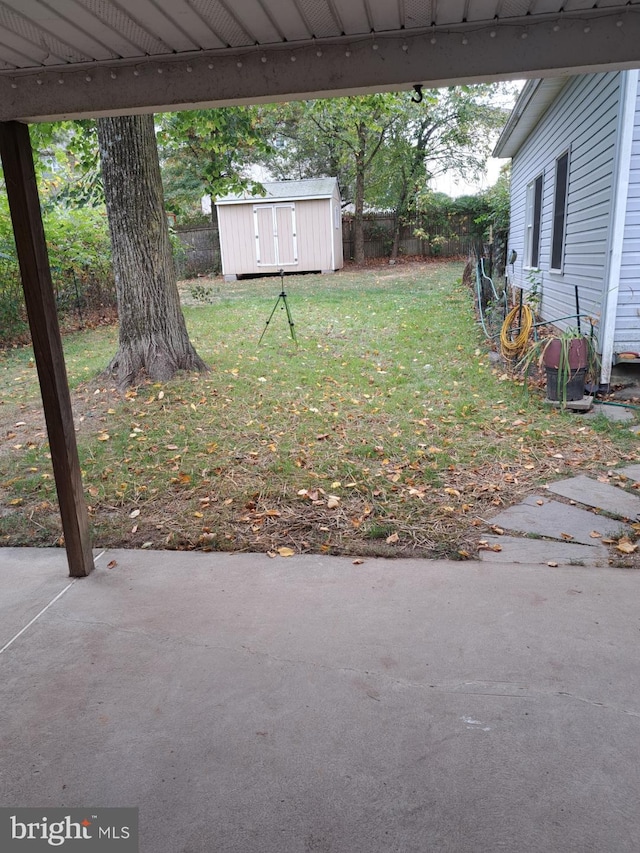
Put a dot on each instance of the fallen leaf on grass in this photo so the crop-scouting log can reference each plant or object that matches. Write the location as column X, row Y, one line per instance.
column 286, row 552
column 104, row 436
column 333, row 502
column 134, row 513
column 392, row 539
column 147, row 545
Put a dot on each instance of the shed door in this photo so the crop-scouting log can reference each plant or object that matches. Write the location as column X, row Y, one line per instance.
column 275, row 226
column 265, row 242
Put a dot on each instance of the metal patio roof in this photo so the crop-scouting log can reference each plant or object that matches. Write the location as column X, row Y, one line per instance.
column 61, row 58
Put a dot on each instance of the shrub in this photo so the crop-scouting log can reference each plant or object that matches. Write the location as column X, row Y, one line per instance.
column 80, row 260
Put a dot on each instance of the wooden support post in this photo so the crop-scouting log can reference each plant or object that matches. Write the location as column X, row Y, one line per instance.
column 24, row 204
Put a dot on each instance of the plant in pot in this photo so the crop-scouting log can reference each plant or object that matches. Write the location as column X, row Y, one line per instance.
column 570, row 360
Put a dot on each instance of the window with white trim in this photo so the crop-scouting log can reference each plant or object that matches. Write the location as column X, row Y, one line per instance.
column 559, row 211
column 533, row 218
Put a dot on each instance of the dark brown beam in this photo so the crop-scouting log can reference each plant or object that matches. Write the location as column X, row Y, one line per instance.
column 24, row 204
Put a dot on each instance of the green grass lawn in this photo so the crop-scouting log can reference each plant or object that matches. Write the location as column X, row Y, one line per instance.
column 384, row 431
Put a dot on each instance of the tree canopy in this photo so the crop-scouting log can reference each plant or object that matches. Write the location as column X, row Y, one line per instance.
column 209, row 152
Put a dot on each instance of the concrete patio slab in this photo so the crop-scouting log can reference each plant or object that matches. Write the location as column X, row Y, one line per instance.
column 519, row 549
column 249, row 705
column 598, row 495
column 29, row 580
column 552, row 519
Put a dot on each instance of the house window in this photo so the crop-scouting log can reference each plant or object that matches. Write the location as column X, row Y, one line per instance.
column 559, row 211
column 533, row 218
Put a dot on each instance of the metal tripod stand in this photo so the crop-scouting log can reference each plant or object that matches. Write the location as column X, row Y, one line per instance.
column 282, row 298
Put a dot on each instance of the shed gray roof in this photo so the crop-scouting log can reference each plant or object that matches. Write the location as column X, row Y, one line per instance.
column 287, row 191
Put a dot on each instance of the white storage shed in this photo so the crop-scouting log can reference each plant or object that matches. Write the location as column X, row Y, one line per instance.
column 295, row 227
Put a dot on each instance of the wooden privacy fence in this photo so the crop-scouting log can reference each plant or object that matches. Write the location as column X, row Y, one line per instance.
column 448, row 236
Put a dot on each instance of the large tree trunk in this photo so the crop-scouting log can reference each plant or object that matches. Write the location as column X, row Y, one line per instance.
column 358, row 201
column 153, row 339
column 358, row 218
column 399, row 215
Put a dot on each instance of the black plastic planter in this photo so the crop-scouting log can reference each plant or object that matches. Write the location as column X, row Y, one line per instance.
column 574, row 386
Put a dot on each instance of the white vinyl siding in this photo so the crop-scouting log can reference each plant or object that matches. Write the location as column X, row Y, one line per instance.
column 627, row 333
column 582, row 119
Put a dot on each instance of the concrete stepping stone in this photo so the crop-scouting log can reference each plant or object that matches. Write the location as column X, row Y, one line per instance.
column 602, row 496
column 516, row 549
column 544, row 517
column 612, row 413
column 631, row 471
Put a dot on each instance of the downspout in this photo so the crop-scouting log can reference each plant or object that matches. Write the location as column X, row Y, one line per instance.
column 626, row 121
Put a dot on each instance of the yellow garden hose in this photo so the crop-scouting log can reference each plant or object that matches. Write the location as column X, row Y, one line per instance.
column 514, row 347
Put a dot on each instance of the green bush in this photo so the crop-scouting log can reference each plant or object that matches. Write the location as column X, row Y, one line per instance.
column 80, row 260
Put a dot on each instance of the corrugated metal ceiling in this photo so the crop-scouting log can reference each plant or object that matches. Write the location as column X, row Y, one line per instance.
column 35, row 33
column 74, row 58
